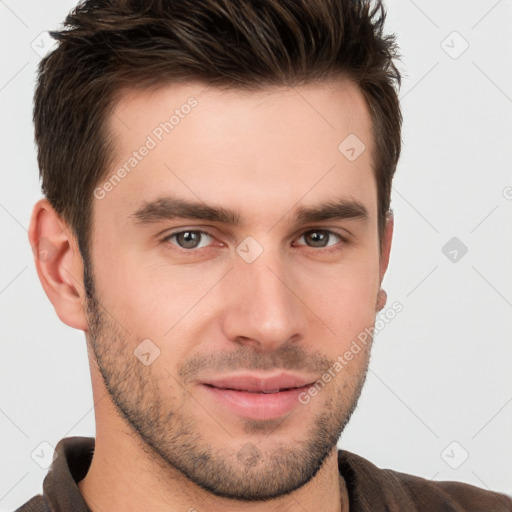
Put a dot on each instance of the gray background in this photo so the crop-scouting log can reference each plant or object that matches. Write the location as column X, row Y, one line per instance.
column 439, row 389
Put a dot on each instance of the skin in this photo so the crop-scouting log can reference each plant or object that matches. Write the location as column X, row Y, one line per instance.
column 295, row 307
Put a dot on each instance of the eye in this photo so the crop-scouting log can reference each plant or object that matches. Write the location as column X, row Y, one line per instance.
column 189, row 239
column 320, row 238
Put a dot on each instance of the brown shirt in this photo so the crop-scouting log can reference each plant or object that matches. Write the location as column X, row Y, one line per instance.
column 370, row 489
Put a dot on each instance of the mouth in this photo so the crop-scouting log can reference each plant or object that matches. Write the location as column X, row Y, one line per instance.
column 256, row 397
column 260, row 382
column 265, row 392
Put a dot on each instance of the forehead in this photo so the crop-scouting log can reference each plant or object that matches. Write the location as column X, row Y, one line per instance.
column 328, row 106
column 282, row 145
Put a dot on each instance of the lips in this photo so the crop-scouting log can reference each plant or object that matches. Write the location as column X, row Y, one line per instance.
column 253, row 383
column 256, row 396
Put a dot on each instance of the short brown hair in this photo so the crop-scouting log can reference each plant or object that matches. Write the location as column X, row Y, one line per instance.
column 107, row 45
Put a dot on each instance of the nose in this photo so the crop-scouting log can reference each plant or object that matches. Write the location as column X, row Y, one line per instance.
column 264, row 309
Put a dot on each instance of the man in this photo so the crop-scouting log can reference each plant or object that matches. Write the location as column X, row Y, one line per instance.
column 217, row 178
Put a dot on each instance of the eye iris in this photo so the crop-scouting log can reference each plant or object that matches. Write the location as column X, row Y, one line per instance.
column 188, row 239
column 318, row 238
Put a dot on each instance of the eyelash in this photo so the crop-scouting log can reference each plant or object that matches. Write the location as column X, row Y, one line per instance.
column 343, row 240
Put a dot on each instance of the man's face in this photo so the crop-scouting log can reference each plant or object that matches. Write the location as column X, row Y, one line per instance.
column 284, row 290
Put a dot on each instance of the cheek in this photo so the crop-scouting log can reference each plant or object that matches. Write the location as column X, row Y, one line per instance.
column 344, row 296
column 153, row 301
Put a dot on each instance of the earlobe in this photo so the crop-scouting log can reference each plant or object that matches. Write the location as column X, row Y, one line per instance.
column 58, row 263
column 382, row 298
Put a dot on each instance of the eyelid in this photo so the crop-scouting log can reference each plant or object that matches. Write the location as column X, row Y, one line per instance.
column 344, row 234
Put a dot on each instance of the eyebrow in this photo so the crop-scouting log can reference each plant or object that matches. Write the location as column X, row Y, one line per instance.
column 169, row 208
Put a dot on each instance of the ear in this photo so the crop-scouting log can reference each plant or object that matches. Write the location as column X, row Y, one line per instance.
column 59, row 264
column 384, row 258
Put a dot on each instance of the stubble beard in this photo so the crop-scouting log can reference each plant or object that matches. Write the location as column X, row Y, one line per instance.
column 257, row 468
